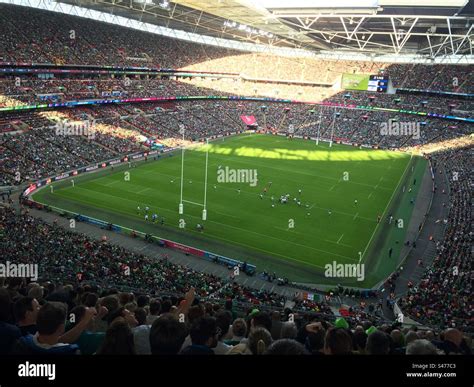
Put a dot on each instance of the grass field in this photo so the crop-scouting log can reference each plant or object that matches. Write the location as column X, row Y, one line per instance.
column 293, row 240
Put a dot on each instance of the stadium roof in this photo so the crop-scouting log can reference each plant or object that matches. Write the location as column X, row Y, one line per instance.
column 428, row 28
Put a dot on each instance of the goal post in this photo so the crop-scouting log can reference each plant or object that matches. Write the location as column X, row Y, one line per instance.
column 182, row 200
column 204, row 211
column 181, row 207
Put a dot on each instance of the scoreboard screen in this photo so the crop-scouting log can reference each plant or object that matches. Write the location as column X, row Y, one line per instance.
column 365, row 82
column 378, row 83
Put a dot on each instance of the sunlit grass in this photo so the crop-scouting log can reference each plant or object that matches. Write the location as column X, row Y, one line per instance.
column 336, row 153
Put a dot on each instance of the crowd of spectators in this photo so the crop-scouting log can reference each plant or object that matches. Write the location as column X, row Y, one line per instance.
column 437, row 77
column 34, row 154
column 56, row 319
column 33, row 90
column 66, row 256
column 17, row 91
column 411, row 102
column 64, row 39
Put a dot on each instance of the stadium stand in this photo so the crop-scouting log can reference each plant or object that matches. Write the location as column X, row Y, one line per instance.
column 141, row 312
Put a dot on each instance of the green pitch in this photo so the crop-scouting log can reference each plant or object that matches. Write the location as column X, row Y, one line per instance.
column 243, row 222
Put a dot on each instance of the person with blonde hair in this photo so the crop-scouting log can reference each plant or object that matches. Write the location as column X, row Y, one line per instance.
column 258, row 342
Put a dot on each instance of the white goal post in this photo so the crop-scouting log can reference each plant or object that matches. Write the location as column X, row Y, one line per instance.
column 182, row 201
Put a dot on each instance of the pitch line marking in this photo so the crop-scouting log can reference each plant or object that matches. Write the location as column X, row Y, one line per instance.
column 339, row 239
column 325, row 240
column 330, row 189
column 112, row 183
column 340, row 244
column 221, row 213
column 285, row 229
column 378, row 183
column 142, row 190
column 197, row 204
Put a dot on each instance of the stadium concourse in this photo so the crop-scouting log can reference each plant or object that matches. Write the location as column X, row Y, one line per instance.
column 164, row 306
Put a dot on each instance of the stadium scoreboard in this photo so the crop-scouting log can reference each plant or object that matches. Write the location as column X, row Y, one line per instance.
column 378, row 83
column 365, row 82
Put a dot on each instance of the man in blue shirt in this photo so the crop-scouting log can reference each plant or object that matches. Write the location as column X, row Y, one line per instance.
column 51, row 322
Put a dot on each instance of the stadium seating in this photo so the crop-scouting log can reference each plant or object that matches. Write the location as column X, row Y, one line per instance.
column 91, row 44
column 87, row 275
